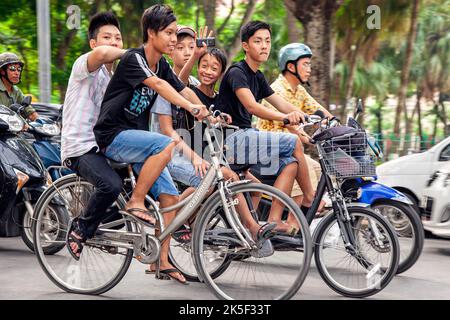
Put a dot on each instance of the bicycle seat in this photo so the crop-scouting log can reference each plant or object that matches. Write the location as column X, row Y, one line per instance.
column 117, row 165
column 238, row 168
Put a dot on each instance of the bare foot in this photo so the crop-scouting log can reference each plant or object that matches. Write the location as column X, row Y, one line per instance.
column 141, row 212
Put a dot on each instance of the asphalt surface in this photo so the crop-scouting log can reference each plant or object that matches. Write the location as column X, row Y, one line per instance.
column 22, row 278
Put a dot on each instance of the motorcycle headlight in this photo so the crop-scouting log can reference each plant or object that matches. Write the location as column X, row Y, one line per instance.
column 15, row 122
column 48, row 129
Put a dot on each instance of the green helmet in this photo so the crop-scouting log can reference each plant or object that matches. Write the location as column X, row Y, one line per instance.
column 9, row 58
column 292, row 52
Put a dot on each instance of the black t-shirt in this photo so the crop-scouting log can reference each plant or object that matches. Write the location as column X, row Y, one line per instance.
column 127, row 101
column 182, row 119
column 239, row 75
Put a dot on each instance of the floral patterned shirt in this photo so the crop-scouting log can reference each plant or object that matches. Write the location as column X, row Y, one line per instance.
column 299, row 98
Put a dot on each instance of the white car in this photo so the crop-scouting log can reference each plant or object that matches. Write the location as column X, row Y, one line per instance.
column 436, row 203
column 409, row 174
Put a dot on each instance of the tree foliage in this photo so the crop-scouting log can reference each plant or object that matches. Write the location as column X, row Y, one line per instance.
column 376, row 56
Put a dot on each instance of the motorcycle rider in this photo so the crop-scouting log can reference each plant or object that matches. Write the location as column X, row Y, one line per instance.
column 11, row 67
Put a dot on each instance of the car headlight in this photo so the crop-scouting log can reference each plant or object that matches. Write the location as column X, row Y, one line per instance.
column 15, row 122
column 48, row 129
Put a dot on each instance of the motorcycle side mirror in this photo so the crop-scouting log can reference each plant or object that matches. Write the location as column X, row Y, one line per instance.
column 359, row 108
column 26, row 101
column 16, row 107
column 3, row 125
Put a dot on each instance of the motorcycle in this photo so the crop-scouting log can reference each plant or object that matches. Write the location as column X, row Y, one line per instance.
column 44, row 135
column 23, row 178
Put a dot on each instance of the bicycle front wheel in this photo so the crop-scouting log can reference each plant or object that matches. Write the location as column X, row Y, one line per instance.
column 365, row 268
column 100, row 267
column 408, row 227
column 275, row 270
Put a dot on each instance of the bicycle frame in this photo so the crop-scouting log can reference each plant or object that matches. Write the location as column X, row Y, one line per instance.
column 190, row 205
column 339, row 207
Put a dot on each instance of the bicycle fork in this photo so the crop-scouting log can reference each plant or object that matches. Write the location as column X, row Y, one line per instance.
column 233, row 217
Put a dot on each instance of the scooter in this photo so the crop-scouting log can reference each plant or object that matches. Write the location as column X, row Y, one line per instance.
column 23, row 178
column 44, row 135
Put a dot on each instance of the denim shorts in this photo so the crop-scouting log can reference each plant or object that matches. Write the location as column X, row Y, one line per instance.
column 136, row 146
column 265, row 152
column 181, row 169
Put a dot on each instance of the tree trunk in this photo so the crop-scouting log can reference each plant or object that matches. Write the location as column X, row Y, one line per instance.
column 419, row 119
column 236, row 43
column 349, row 84
column 445, row 120
column 197, row 15
column 209, row 9
column 379, row 115
column 435, row 124
column 401, row 105
column 408, row 131
column 61, row 61
column 316, row 18
column 293, row 30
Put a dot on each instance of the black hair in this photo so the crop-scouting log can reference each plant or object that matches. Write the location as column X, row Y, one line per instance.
column 99, row 20
column 219, row 55
column 250, row 28
column 182, row 36
column 156, row 18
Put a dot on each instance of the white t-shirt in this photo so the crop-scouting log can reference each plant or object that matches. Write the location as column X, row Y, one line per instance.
column 81, row 108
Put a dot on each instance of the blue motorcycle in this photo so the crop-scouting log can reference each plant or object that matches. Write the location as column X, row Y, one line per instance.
column 46, row 135
column 396, row 207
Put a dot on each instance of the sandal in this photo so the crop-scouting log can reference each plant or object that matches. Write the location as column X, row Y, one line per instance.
column 183, row 234
column 149, row 219
column 265, row 232
column 167, row 272
column 72, row 232
column 290, row 232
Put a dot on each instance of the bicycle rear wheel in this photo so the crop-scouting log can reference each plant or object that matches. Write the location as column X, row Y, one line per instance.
column 180, row 253
column 372, row 265
column 276, row 270
column 100, row 267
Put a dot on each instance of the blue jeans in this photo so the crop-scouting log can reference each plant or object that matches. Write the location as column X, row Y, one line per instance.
column 265, row 152
column 94, row 168
column 181, row 169
column 136, row 146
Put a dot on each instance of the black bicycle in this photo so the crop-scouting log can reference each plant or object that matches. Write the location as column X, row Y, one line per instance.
column 356, row 249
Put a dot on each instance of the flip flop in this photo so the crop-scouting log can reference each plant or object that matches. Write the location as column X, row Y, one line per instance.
column 182, row 235
column 143, row 221
column 167, row 272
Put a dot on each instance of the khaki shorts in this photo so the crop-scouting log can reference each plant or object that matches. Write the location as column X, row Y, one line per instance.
column 314, row 175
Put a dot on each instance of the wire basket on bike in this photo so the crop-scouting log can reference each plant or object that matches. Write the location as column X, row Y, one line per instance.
column 345, row 152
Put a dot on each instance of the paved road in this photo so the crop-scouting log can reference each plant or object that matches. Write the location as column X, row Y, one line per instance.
column 22, row 278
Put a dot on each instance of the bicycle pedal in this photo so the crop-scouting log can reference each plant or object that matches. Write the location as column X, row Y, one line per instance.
column 266, row 250
column 112, row 250
column 162, row 276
